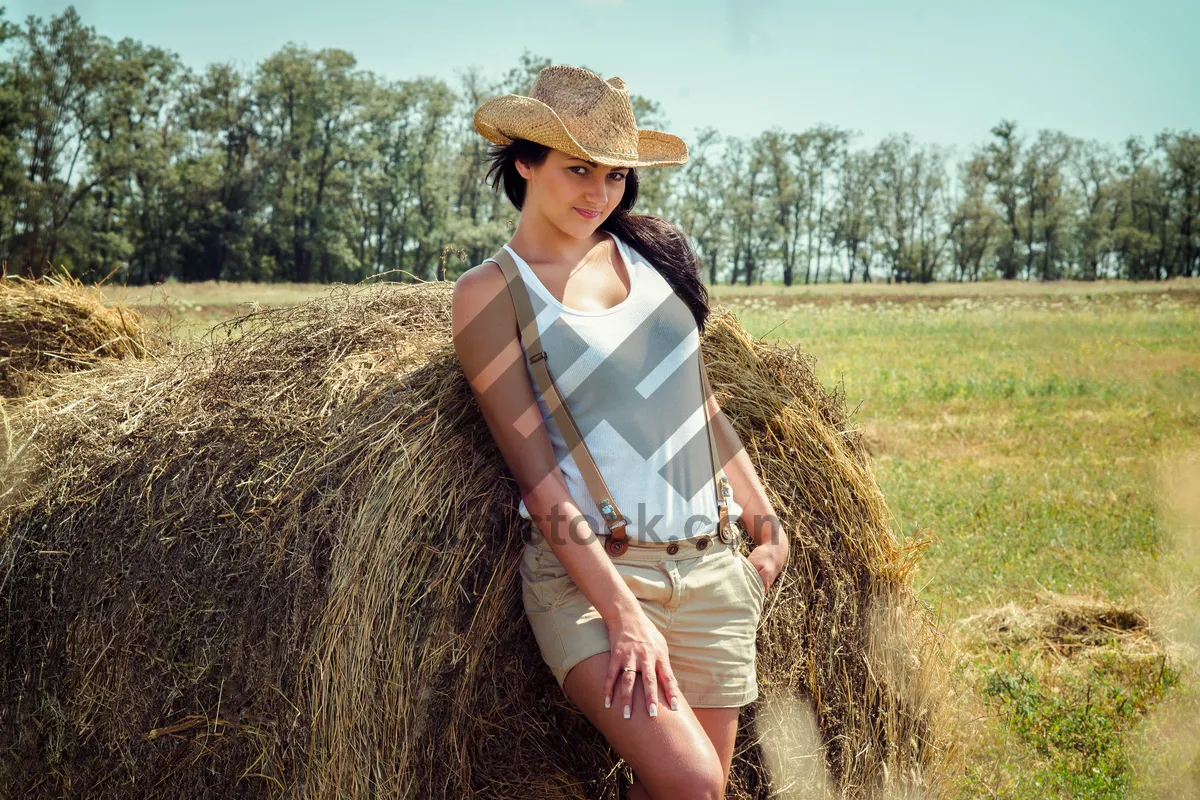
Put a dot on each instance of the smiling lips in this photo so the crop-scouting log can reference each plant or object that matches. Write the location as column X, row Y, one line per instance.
column 587, row 214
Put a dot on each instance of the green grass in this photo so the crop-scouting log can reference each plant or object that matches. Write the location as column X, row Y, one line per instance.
column 1024, row 439
column 1072, row 731
column 1024, row 434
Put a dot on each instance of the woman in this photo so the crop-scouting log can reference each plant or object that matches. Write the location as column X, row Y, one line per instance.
column 669, row 621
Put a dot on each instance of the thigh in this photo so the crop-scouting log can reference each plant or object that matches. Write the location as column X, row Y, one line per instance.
column 720, row 724
column 671, row 754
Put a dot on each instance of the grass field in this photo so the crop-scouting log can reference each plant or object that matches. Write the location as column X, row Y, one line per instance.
column 1027, row 428
column 1024, row 428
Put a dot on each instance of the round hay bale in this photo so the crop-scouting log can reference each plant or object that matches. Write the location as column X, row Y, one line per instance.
column 284, row 564
column 56, row 323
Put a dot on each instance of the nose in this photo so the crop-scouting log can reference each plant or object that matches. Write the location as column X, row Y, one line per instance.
column 597, row 190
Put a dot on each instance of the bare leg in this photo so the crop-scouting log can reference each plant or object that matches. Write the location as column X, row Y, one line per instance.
column 671, row 754
column 720, row 724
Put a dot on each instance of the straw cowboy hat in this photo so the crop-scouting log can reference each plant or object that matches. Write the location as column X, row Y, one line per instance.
column 576, row 111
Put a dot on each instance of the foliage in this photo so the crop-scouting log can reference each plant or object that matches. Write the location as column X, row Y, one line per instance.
column 115, row 155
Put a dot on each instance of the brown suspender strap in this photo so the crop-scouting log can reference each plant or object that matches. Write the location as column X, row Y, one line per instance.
column 618, row 540
column 720, row 482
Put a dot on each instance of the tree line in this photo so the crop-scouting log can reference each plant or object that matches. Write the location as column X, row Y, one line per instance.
column 118, row 160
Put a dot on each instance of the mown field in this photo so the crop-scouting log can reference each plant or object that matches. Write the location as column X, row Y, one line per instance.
column 1028, row 429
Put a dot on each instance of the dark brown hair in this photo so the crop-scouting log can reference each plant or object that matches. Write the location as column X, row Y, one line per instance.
column 664, row 246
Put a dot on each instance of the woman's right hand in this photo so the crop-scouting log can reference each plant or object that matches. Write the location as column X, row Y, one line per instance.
column 634, row 641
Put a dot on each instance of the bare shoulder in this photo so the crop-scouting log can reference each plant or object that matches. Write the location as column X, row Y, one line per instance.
column 485, row 278
column 479, row 285
column 481, row 300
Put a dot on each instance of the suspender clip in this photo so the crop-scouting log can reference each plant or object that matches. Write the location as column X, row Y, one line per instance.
column 611, row 518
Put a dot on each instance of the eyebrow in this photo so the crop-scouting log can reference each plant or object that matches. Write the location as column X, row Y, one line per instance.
column 591, row 163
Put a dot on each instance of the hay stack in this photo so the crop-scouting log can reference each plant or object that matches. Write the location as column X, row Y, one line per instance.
column 1067, row 624
column 285, row 565
column 57, row 323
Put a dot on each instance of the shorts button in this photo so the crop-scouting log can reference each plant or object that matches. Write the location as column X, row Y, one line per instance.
column 702, row 543
column 672, row 549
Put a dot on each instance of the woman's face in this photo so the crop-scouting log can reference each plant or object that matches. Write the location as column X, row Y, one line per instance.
column 565, row 189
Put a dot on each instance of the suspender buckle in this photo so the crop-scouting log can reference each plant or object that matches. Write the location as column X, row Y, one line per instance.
column 725, row 528
column 611, row 518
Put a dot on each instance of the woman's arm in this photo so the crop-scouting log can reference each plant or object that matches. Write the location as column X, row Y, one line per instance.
column 485, row 340
column 758, row 515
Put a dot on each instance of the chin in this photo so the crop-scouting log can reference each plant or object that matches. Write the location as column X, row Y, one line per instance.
column 583, row 228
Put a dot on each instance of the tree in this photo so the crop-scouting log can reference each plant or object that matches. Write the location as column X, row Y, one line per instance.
column 819, row 150
column 216, row 178
column 1004, row 155
column 896, row 205
column 1139, row 230
column 788, row 198
column 307, row 104
column 132, row 207
column 55, row 75
column 116, row 158
column 1042, row 181
column 974, row 222
column 751, row 224
column 12, row 109
column 853, row 220
column 1093, row 167
column 701, row 208
column 1182, row 152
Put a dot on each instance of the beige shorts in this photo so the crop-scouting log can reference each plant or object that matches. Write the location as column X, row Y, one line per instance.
column 706, row 600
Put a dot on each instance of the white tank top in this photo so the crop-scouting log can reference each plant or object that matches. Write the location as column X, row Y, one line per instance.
column 631, row 381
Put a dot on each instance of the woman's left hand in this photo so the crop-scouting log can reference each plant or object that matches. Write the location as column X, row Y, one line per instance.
column 769, row 560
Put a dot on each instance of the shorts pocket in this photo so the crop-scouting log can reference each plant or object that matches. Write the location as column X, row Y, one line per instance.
column 756, row 582
column 546, row 579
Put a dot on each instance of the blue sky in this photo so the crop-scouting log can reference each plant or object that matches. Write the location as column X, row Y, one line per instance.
column 945, row 72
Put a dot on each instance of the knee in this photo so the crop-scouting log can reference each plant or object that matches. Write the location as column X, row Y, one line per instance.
column 701, row 782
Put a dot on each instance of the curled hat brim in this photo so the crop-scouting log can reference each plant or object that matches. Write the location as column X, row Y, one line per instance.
column 515, row 116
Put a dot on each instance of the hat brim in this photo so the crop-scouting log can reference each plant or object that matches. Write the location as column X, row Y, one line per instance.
column 514, row 116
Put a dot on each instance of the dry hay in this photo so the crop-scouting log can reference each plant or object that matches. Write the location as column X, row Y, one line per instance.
column 1066, row 625
column 284, row 564
column 57, row 323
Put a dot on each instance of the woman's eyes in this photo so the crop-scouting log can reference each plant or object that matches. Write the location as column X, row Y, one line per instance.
column 618, row 175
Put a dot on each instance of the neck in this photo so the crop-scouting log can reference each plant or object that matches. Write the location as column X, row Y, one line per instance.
column 540, row 241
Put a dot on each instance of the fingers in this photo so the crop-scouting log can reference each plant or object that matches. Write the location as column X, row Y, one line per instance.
column 615, row 661
column 762, row 575
column 650, row 686
column 670, row 686
column 621, row 680
column 671, row 692
column 626, row 681
column 653, row 671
